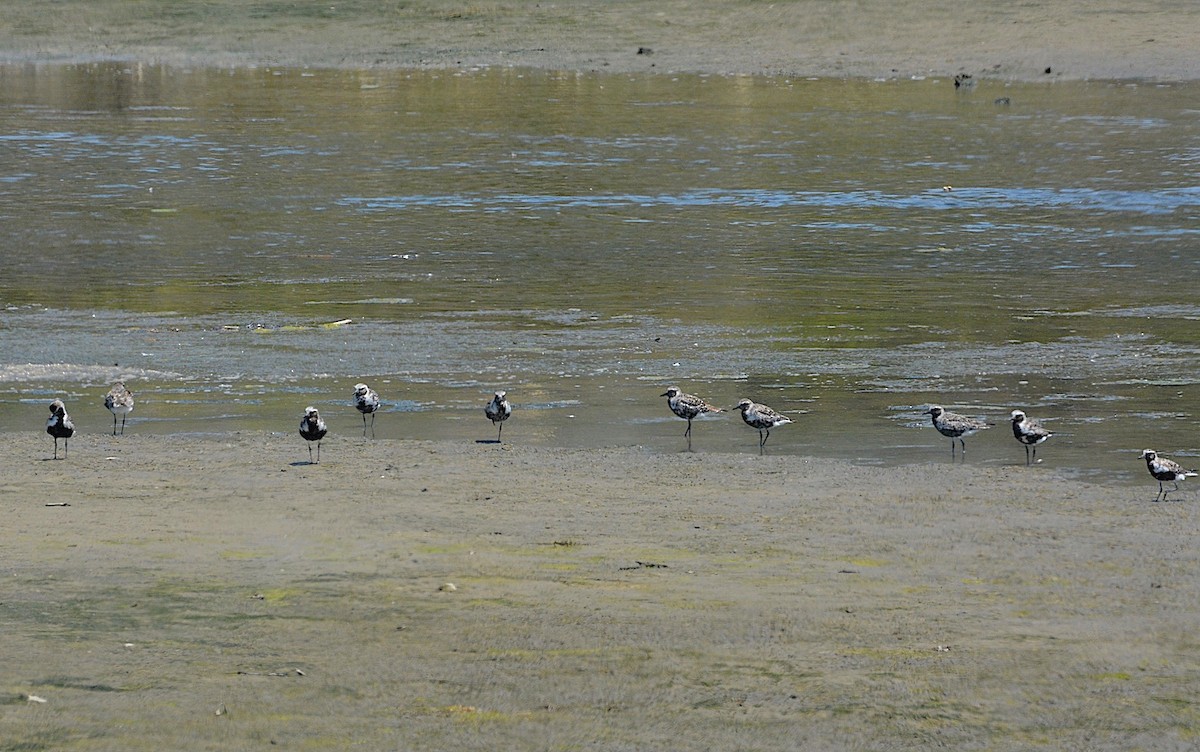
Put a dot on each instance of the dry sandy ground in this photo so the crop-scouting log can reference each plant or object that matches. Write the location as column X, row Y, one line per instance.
column 1075, row 39
column 219, row 593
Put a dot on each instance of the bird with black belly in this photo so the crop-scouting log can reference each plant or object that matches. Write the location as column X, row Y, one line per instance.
column 312, row 428
column 60, row 426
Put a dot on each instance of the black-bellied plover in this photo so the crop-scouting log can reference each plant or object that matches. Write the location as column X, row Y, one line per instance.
column 312, row 428
column 1029, row 432
column 954, row 426
column 757, row 415
column 687, row 406
column 366, row 401
column 1162, row 470
column 119, row 401
column 498, row 411
column 59, row 426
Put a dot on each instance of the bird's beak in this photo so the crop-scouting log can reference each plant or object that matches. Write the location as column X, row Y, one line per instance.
column 664, row 394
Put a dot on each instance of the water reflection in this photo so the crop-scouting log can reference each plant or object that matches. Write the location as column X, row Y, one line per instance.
column 850, row 249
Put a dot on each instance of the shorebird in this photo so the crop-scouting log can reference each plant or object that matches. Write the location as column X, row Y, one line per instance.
column 119, row 401
column 1028, row 432
column 312, row 428
column 687, row 406
column 954, row 426
column 498, row 411
column 763, row 418
column 366, row 401
column 59, row 426
column 1164, row 470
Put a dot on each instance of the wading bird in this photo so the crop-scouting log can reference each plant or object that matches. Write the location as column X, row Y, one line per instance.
column 687, row 406
column 119, row 401
column 954, row 426
column 763, row 418
column 59, row 426
column 1029, row 432
column 312, row 428
column 366, row 401
column 498, row 411
column 1162, row 470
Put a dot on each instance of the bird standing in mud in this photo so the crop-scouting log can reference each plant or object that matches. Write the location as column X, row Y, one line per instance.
column 119, row 401
column 59, row 426
column 312, row 428
column 1029, row 432
column 954, row 426
column 763, row 418
column 1163, row 469
column 498, row 411
column 687, row 406
column 366, row 401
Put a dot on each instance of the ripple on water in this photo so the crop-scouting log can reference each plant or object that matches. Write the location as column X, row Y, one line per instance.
column 805, row 251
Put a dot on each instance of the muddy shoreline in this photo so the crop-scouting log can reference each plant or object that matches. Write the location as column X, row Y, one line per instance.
column 171, row 592
column 1071, row 40
column 219, row 592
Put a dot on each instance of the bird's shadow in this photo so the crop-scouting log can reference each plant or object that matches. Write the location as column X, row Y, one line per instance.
column 487, row 441
column 303, row 463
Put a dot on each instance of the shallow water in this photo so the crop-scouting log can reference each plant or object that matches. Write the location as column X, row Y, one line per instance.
column 847, row 252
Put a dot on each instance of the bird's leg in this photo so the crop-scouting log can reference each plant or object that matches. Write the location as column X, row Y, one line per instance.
column 123, row 425
column 114, row 424
column 372, row 425
column 499, row 431
column 688, row 432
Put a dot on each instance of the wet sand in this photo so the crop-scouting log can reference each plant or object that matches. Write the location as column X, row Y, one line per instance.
column 219, row 593
column 1074, row 39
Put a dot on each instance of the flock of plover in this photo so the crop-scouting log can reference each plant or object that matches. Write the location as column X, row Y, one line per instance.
column 756, row 415
column 1030, row 433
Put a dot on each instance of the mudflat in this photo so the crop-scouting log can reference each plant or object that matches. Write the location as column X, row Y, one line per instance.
column 221, row 593
column 1071, row 39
